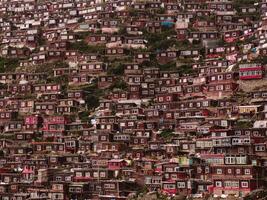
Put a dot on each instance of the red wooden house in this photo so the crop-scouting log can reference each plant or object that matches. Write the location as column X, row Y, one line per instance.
column 105, row 81
column 251, row 71
column 116, row 164
column 54, row 124
column 46, row 88
column 45, row 107
column 33, row 122
column 93, row 67
column 236, row 179
column 39, row 147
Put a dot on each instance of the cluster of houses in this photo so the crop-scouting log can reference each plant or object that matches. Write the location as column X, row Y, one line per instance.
column 167, row 119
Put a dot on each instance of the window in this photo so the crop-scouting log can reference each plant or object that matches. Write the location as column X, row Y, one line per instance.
column 60, row 148
column 168, row 98
column 79, row 174
column 180, row 184
column 174, row 176
column 230, row 160
column 19, row 137
column 160, row 99
column 211, row 88
column 6, row 179
column 241, row 160
column 39, row 147
column 227, row 184
column 227, row 87
column 205, row 103
column 247, row 171
column 48, row 148
column 260, row 148
column 169, row 186
column 20, row 151
column 95, row 174
column 185, row 146
column 218, row 184
column 109, row 186
column 238, row 171
column 255, row 133
column 234, row 184
column 102, row 174
column 130, row 123
column 219, row 171
column 244, row 184
column 237, row 132
column 219, row 87
column 189, row 90
column 103, row 138
column 78, row 190
column 220, row 77
column 247, row 141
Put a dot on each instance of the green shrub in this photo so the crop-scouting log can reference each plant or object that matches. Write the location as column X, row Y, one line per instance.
column 8, row 64
column 167, row 133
